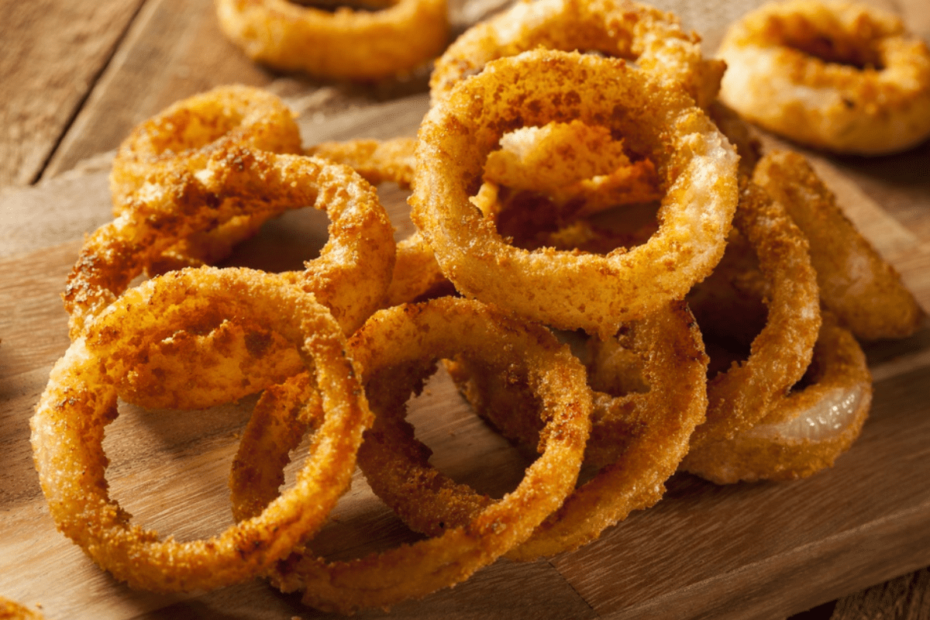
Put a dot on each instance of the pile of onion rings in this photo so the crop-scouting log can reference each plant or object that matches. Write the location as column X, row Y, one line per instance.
column 606, row 264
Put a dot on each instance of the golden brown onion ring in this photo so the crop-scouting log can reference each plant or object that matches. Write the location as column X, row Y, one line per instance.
column 807, row 429
column 81, row 399
column 618, row 28
column 350, row 276
column 780, row 353
column 697, row 167
column 650, row 394
column 182, row 135
column 377, row 161
column 840, row 76
column 398, row 348
column 862, row 289
column 346, row 43
column 416, row 273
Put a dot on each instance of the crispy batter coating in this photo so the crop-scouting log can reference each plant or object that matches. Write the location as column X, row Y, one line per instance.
column 11, row 610
column 618, row 28
column 834, row 75
column 416, row 272
column 806, row 429
column 181, row 135
column 650, row 394
column 398, row 349
column 350, row 276
column 696, row 164
column 345, row 43
column 860, row 287
column 579, row 167
column 780, row 353
column 81, row 399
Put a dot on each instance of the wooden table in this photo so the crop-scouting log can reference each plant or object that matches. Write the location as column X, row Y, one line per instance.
column 78, row 76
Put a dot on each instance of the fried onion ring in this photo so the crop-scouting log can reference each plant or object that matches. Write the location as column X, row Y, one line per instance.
column 416, row 272
column 742, row 395
column 355, row 45
column 182, row 135
column 839, row 76
column 806, row 430
column 696, row 165
column 81, row 399
column 860, row 287
column 398, row 348
column 618, row 28
column 350, row 276
column 641, row 426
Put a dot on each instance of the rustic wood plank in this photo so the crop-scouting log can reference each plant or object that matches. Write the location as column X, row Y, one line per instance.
column 904, row 598
column 51, row 53
column 175, row 49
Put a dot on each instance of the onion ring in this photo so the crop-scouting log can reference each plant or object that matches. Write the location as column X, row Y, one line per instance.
column 805, row 430
column 780, row 353
column 355, row 45
column 619, row 28
column 641, row 429
column 416, row 272
column 862, row 289
column 81, row 398
column 398, row 347
column 350, row 276
column 839, row 76
column 182, row 135
column 696, row 164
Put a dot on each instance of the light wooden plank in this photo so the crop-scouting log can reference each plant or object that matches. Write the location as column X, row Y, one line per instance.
column 51, row 53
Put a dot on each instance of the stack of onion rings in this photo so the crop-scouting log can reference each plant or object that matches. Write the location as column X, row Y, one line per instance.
column 398, row 348
column 639, row 433
column 80, row 400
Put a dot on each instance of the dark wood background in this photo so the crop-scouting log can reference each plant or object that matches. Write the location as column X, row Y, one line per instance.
column 78, row 76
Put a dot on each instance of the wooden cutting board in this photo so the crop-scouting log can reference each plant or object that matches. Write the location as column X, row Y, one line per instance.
column 762, row 550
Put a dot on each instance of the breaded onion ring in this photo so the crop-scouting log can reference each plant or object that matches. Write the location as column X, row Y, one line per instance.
column 618, row 28
column 182, row 135
column 81, row 399
column 862, row 289
column 807, row 429
column 835, row 75
column 350, row 276
column 650, row 394
column 377, row 161
column 780, row 353
column 416, row 272
column 356, row 45
column 398, row 349
column 696, row 165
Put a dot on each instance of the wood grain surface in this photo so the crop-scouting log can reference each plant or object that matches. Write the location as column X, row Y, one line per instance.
column 743, row 551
